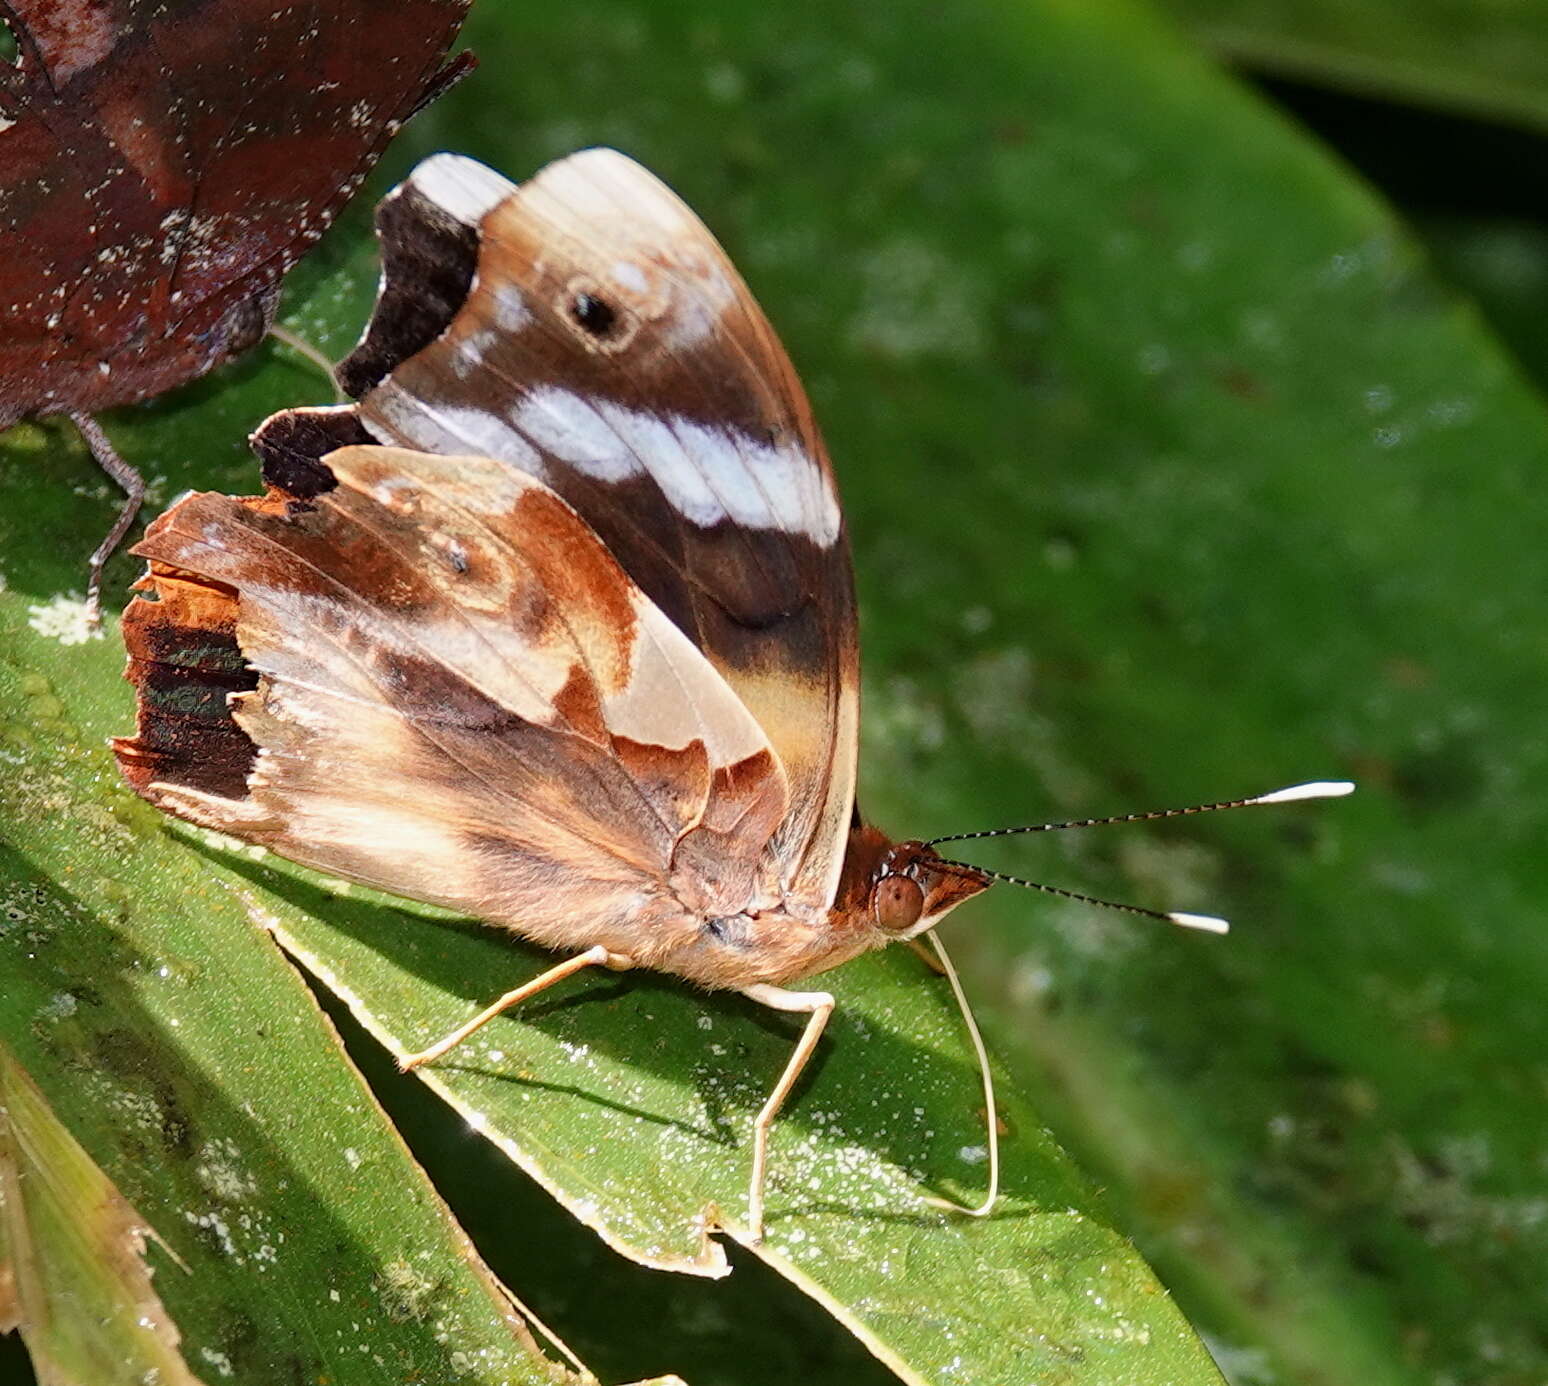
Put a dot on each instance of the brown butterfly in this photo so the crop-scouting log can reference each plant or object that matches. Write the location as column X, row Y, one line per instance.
column 163, row 166
column 555, row 625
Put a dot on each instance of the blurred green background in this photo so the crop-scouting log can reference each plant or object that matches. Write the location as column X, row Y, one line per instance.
column 1183, row 370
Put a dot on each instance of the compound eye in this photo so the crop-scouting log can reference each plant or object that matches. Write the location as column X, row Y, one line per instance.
column 897, row 903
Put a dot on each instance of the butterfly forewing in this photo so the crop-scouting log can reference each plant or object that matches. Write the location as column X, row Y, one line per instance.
column 607, row 347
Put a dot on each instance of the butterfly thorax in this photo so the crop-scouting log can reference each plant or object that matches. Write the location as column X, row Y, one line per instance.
column 888, row 891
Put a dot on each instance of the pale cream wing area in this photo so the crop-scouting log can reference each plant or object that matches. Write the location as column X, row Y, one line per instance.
column 463, row 698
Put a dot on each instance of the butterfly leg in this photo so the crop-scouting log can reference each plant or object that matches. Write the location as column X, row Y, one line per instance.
column 134, row 489
column 917, row 948
column 818, row 1005
column 304, row 349
column 592, row 957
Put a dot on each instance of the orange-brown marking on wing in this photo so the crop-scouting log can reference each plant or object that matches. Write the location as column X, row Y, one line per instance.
column 723, row 854
column 677, row 782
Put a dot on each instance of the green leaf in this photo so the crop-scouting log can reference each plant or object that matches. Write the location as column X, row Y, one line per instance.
column 1503, row 264
column 192, row 1067
column 631, row 1100
column 1172, row 473
column 644, row 1145
column 1488, row 61
column 72, row 1256
column 634, row 1110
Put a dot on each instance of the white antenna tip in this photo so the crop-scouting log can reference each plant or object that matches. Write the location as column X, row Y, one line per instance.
column 1317, row 789
column 1208, row 922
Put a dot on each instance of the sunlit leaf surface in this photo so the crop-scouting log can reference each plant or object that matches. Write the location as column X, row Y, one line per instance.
column 1173, row 473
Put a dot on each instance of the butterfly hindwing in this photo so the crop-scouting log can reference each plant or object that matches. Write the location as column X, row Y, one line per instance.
column 460, row 696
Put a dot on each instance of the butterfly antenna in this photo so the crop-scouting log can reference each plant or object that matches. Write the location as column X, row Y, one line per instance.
column 1316, row 789
column 991, row 1115
column 1208, row 922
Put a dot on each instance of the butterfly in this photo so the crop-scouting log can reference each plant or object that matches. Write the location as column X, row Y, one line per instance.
column 162, row 167
column 554, row 625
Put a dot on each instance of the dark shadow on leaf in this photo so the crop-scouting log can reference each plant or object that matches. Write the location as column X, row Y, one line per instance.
column 789, row 1212
column 159, row 1121
column 654, row 1023
column 591, row 1095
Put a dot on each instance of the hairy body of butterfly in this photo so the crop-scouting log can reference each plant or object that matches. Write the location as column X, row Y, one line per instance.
column 555, row 625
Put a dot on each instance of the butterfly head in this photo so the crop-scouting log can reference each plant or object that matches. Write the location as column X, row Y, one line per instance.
column 912, row 889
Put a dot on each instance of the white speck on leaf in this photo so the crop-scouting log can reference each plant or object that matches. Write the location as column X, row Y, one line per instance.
column 63, row 618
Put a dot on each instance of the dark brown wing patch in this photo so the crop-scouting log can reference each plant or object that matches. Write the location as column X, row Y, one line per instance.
column 185, row 664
